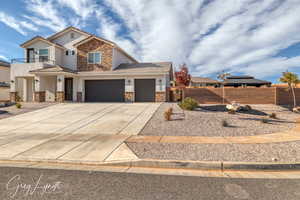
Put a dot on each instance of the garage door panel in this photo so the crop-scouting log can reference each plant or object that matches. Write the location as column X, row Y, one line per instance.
column 104, row 90
column 144, row 90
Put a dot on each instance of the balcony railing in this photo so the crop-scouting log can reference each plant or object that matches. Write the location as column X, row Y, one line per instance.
column 33, row 60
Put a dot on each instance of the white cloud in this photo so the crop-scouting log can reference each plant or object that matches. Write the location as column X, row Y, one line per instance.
column 20, row 26
column 83, row 8
column 46, row 13
column 2, row 57
column 209, row 36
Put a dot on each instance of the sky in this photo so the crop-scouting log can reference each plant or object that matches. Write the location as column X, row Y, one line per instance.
column 252, row 37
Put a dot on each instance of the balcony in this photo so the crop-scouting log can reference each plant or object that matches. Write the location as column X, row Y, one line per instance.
column 22, row 66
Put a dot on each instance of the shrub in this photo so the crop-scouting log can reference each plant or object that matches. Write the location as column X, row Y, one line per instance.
column 168, row 114
column 264, row 121
column 18, row 105
column 231, row 111
column 225, row 123
column 273, row 116
column 188, row 104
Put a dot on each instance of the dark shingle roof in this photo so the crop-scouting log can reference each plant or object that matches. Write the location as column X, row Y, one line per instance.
column 4, row 63
column 203, row 80
column 246, row 80
column 145, row 67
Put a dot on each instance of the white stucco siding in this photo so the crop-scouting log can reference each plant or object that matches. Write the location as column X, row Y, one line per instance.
column 4, row 74
column 119, row 58
column 66, row 41
column 58, row 55
column 48, row 84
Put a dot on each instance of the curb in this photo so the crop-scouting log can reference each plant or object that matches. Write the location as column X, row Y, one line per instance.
column 207, row 165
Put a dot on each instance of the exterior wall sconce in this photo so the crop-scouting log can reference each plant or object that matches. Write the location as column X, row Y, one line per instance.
column 12, row 81
column 129, row 82
column 59, row 80
column 160, row 84
column 36, row 80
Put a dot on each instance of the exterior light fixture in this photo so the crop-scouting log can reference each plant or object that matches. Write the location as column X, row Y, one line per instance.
column 129, row 81
column 12, row 81
column 36, row 80
column 59, row 80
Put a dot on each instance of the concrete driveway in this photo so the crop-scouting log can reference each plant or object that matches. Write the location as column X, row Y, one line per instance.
column 74, row 132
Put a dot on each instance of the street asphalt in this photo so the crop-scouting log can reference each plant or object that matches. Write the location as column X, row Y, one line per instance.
column 28, row 183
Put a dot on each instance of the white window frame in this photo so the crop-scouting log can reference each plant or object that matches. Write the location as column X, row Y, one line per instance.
column 93, row 52
column 48, row 55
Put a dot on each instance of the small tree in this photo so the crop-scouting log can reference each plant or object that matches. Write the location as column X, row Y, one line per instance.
column 292, row 80
column 183, row 77
column 222, row 76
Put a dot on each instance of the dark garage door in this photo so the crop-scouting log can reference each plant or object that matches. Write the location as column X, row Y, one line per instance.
column 144, row 90
column 104, row 90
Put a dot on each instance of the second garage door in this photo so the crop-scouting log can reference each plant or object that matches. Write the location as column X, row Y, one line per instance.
column 144, row 90
column 104, row 90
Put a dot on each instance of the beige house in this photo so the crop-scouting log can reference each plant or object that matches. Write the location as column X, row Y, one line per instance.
column 4, row 80
column 73, row 65
column 204, row 82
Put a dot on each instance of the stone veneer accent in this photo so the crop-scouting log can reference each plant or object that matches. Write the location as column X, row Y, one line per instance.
column 39, row 96
column 91, row 46
column 13, row 96
column 160, row 96
column 60, row 97
column 79, row 96
column 129, row 96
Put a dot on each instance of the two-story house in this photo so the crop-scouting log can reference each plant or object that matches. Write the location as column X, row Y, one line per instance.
column 73, row 65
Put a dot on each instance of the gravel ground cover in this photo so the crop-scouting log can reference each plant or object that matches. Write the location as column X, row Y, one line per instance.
column 283, row 152
column 26, row 107
column 207, row 121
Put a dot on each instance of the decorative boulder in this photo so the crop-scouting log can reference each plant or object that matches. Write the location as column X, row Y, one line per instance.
column 296, row 109
column 233, row 106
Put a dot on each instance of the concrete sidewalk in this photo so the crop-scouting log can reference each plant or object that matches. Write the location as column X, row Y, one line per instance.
column 74, row 132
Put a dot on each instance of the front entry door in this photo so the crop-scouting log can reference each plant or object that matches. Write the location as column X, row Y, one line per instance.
column 69, row 89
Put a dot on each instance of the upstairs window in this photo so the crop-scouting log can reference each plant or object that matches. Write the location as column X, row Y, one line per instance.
column 67, row 52
column 73, row 52
column 43, row 55
column 94, row 58
column 72, row 35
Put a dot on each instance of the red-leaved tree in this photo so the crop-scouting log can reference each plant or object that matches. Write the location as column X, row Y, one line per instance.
column 183, row 77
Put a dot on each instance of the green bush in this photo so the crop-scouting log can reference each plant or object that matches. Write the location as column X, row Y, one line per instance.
column 18, row 105
column 188, row 104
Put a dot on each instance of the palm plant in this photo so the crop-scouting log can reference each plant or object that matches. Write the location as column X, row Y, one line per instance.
column 223, row 76
column 292, row 80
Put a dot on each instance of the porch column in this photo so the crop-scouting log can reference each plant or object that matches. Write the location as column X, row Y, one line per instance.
column 39, row 95
column 129, row 90
column 24, row 80
column 13, row 91
column 60, row 89
column 80, row 87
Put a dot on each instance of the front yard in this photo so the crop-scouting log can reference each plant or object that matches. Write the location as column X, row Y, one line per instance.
column 208, row 120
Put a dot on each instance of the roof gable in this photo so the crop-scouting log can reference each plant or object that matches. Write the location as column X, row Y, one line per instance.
column 65, row 31
column 39, row 38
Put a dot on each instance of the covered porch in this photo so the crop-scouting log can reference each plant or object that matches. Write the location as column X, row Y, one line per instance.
column 45, row 85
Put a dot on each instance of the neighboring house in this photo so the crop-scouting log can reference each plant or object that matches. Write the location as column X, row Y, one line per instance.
column 4, row 80
column 73, row 65
column 204, row 82
column 244, row 81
